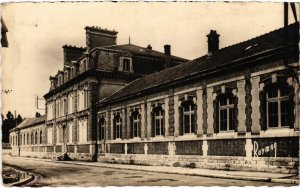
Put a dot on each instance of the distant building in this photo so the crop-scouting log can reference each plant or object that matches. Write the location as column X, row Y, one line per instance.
column 236, row 108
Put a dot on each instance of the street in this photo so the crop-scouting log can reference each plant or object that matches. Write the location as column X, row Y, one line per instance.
column 58, row 174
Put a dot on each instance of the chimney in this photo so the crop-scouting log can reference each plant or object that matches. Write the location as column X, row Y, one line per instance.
column 213, row 41
column 72, row 53
column 167, row 48
column 149, row 47
column 98, row 37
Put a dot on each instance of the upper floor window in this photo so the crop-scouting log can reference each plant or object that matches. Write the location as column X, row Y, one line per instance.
column 158, row 128
column 279, row 106
column 126, row 65
column 226, row 112
column 117, row 126
column 135, row 124
column 188, row 117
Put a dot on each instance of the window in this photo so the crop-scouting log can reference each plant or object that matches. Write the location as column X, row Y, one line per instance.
column 70, row 126
column 279, row 107
column 70, row 103
column 49, row 135
column 226, row 112
column 32, row 139
column 188, row 117
column 135, row 124
column 117, row 126
column 126, row 65
column 158, row 121
column 82, row 130
column 101, row 129
column 41, row 137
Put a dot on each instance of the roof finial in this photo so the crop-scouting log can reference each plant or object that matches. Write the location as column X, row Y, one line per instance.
column 129, row 39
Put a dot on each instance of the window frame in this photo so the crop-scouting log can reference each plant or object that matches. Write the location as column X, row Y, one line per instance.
column 158, row 118
column 277, row 99
column 118, row 127
column 188, row 109
column 229, row 106
column 136, row 123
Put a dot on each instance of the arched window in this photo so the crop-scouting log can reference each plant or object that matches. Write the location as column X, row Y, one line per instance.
column 188, row 121
column 117, row 126
column 135, row 123
column 158, row 121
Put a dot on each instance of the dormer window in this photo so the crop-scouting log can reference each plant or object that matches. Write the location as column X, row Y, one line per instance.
column 126, row 65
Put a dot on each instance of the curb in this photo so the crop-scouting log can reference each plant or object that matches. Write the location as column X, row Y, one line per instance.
column 248, row 178
column 287, row 181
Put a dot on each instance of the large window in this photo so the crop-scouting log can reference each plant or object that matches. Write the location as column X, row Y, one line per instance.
column 126, row 65
column 226, row 112
column 117, row 126
column 82, row 130
column 135, row 124
column 70, row 131
column 279, row 107
column 188, row 117
column 101, row 129
column 158, row 121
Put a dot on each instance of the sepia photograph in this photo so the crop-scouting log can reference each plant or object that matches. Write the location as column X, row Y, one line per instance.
column 150, row 94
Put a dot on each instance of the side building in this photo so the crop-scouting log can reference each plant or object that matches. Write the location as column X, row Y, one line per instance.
column 236, row 108
column 90, row 74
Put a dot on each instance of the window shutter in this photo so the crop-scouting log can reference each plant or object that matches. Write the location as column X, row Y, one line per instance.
column 163, row 123
column 115, row 129
column 216, row 116
column 180, row 120
column 195, row 119
column 152, row 124
column 291, row 103
column 263, row 111
column 235, row 114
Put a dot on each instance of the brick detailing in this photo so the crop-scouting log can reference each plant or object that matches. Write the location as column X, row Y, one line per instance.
column 204, row 106
column 135, row 148
column 83, row 148
column 228, row 147
column 255, row 104
column 189, row 147
column 285, row 147
column 158, row 148
column 171, row 116
column 71, row 149
column 248, row 99
column 58, row 149
column 116, row 148
column 50, row 148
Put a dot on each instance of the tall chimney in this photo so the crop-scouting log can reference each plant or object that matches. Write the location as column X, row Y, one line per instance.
column 167, row 48
column 98, row 37
column 213, row 41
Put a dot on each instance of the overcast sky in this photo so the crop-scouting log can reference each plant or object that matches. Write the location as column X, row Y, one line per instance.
column 37, row 32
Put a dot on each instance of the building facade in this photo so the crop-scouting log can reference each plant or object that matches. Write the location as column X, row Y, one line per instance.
column 90, row 74
column 236, row 108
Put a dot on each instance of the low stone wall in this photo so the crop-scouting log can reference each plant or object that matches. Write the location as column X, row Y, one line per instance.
column 247, row 154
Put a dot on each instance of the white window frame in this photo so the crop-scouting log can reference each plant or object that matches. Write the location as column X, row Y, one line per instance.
column 278, row 100
column 136, row 122
column 160, row 119
column 188, row 113
column 118, row 127
column 226, row 107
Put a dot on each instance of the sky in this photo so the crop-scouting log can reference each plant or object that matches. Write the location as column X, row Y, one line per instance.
column 37, row 32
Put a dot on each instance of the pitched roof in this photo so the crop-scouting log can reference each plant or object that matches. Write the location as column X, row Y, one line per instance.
column 31, row 121
column 138, row 50
column 223, row 57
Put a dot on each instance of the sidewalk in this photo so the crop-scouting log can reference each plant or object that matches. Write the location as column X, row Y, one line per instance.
column 240, row 175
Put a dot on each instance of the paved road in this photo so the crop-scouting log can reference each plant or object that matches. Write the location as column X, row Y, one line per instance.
column 58, row 174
